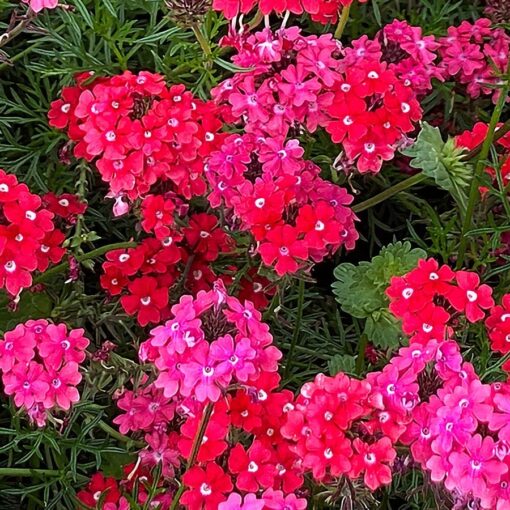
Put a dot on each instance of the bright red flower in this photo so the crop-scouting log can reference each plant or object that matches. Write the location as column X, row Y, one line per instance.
column 146, row 299
column 373, row 460
column 207, row 487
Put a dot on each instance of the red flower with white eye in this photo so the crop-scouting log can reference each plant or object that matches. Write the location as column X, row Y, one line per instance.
column 261, row 204
column 98, row 488
column 62, row 110
column 205, row 237
column 469, row 296
column 351, row 120
column 27, row 213
column 325, row 455
column 369, row 151
column 50, row 250
column 429, row 277
column 10, row 189
column 113, row 279
column 107, row 138
column 66, row 205
column 207, row 487
column 157, row 215
column 254, row 468
column 373, row 460
column 129, row 261
column 146, row 299
column 498, row 326
column 282, row 248
column 319, row 225
column 370, row 77
column 15, row 269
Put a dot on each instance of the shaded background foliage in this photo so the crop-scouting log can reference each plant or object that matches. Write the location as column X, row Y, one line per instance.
column 315, row 334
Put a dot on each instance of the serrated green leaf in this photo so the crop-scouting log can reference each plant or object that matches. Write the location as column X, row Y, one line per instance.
column 341, row 363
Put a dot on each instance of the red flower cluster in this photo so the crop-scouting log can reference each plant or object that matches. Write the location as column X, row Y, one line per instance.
column 322, row 11
column 269, row 190
column 306, row 82
column 139, row 131
column 40, row 367
column 144, row 275
column 322, row 424
column 474, row 137
column 29, row 240
column 110, row 492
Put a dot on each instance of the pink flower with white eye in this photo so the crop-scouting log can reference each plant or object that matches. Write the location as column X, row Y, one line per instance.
column 450, row 428
column 180, row 333
column 473, row 399
column 469, row 296
column 477, row 468
column 203, row 375
column 62, row 390
column 280, row 157
column 28, row 383
column 62, row 346
column 16, row 346
column 160, row 451
column 247, row 318
column 170, row 375
column 236, row 357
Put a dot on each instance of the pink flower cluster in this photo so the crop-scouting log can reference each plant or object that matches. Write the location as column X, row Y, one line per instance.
column 29, row 240
column 40, row 367
column 139, row 131
column 407, row 52
column 266, row 188
column 216, row 354
column 322, row 11
column 301, row 82
column 427, row 397
column 460, row 432
column 210, row 342
column 476, row 55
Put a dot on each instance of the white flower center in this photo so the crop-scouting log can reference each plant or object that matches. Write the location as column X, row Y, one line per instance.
column 471, row 295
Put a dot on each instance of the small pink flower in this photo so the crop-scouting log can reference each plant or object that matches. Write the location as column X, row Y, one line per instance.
column 28, row 383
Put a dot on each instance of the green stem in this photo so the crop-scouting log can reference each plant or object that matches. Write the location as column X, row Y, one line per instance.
column 22, row 472
column 479, row 169
column 389, row 192
column 117, row 435
column 86, row 256
column 204, row 44
column 197, row 442
column 255, row 22
column 342, row 22
column 297, row 326
column 360, row 360
column 9, row 35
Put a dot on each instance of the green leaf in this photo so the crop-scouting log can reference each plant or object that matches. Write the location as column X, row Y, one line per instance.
column 442, row 161
column 32, row 305
column 360, row 290
column 383, row 330
column 341, row 363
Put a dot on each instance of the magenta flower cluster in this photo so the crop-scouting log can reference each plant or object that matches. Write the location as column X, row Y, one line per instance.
column 39, row 362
